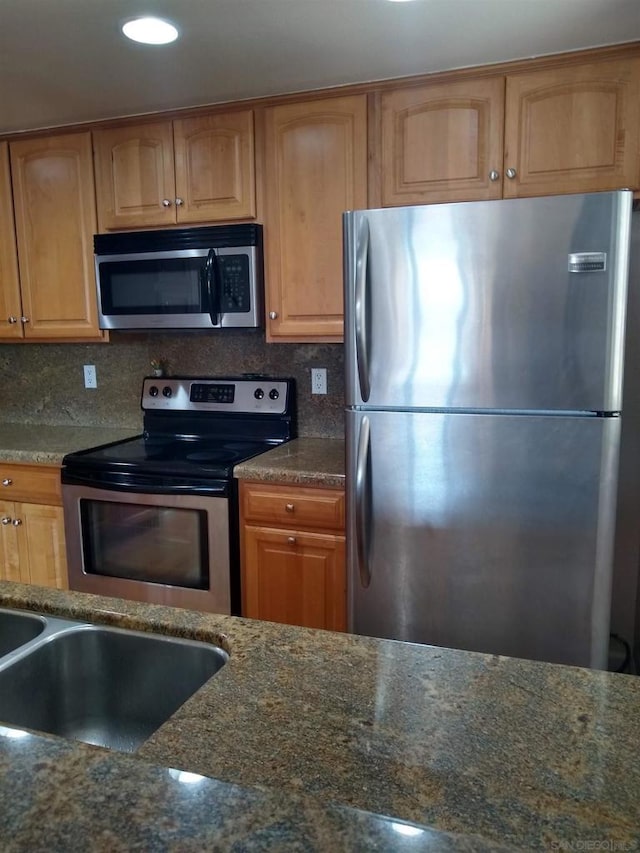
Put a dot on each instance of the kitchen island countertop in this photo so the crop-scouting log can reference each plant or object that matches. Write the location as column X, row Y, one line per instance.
column 496, row 751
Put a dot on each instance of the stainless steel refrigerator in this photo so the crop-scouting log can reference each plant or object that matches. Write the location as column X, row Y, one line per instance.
column 492, row 466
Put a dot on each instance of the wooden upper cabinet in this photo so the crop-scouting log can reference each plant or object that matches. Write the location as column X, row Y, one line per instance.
column 315, row 169
column 573, row 129
column 442, row 142
column 135, row 181
column 10, row 300
column 215, row 171
column 188, row 171
column 55, row 213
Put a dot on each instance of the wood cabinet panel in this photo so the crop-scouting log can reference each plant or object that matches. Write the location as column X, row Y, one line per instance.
column 214, row 164
column 135, row 181
column 35, row 483
column 54, row 203
column 32, row 545
column 41, row 545
column 298, row 507
column 315, row 169
column 293, row 559
column 443, row 142
column 295, row 578
column 10, row 300
column 574, row 129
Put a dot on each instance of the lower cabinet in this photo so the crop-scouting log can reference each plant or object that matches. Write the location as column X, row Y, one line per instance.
column 32, row 546
column 293, row 555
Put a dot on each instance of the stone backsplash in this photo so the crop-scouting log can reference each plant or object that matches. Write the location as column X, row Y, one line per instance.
column 44, row 383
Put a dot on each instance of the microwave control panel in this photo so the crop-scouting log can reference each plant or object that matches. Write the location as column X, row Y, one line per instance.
column 235, row 297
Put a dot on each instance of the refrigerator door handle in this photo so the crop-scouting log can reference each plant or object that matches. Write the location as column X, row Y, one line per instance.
column 360, row 309
column 363, row 502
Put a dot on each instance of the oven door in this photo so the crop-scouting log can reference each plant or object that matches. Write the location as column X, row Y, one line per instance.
column 164, row 549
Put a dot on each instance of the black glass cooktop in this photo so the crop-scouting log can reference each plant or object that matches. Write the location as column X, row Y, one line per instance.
column 170, row 455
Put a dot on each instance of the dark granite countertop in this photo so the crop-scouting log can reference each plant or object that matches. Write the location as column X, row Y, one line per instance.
column 495, row 751
column 301, row 462
column 49, row 444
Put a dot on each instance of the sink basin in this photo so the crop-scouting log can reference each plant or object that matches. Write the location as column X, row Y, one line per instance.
column 104, row 686
column 16, row 629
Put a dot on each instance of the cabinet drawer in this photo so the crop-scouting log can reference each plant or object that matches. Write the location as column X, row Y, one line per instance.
column 293, row 507
column 38, row 484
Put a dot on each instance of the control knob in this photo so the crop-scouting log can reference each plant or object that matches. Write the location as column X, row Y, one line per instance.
column 166, row 391
column 274, row 394
column 258, row 393
column 153, row 391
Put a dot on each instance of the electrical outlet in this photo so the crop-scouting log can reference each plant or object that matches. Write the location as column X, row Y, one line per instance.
column 90, row 380
column 318, row 380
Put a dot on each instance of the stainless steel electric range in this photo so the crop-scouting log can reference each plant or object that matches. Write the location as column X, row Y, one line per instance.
column 155, row 517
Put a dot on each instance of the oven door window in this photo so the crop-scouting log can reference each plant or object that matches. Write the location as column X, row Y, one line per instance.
column 154, row 286
column 146, row 543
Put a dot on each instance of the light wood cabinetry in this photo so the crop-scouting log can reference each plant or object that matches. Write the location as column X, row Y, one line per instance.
column 10, row 302
column 192, row 170
column 575, row 128
column 315, row 169
column 293, row 555
column 55, row 219
column 32, row 543
column 443, row 142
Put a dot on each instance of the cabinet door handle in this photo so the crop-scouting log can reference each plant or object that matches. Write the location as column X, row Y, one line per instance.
column 166, row 202
column 179, row 202
column 6, row 520
column 511, row 173
column 290, row 539
column 12, row 320
column 16, row 522
column 273, row 315
column 7, row 482
column 24, row 319
column 289, row 507
column 494, row 175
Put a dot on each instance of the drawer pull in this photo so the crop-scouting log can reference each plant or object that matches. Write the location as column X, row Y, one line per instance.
column 7, row 482
column 6, row 520
column 289, row 507
column 291, row 540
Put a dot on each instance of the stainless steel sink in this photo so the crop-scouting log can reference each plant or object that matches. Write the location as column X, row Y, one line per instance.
column 18, row 628
column 102, row 685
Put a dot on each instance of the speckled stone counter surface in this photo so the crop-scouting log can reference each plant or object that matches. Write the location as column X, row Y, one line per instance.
column 48, row 444
column 302, row 462
column 496, row 751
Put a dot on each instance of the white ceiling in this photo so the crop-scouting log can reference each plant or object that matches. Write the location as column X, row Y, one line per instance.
column 64, row 61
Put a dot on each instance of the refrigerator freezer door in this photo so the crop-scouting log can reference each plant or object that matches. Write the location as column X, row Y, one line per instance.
column 474, row 306
column 492, row 533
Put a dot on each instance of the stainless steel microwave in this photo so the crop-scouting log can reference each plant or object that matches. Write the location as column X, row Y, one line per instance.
column 180, row 278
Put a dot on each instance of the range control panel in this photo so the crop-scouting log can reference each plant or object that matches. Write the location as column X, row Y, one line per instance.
column 262, row 395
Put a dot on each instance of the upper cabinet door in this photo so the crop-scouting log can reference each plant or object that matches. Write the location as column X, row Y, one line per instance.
column 135, row 181
column 572, row 129
column 214, row 162
column 10, row 304
column 55, row 210
column 443, row 142
column 315, row 169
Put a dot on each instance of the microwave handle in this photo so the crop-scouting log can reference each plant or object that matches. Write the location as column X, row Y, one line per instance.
column 212, row 279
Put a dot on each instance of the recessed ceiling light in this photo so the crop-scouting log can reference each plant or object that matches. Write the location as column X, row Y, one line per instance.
column 150, row 31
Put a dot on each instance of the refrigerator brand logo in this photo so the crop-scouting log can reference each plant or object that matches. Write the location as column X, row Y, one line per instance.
column 588, row 262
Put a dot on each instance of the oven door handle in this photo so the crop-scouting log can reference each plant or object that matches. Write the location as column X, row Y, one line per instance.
column 212, row 280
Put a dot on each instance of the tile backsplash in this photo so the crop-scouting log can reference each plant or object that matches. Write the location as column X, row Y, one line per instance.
column 44, row 383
